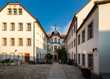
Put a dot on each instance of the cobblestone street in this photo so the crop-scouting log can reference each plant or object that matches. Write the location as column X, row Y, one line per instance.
column 54, row 71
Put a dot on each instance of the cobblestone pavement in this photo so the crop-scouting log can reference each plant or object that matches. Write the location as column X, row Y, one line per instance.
column 59, row 71
column 25, row 72
column 72, row 72
column 54, row 71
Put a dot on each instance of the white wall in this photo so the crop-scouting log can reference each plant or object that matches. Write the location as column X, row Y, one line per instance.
column 88, row 45
column 104, row 33
column 40, row 42
column 71, row 50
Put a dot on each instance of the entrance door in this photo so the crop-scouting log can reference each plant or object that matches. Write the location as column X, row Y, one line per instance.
column 56, row 58
column 27, row 57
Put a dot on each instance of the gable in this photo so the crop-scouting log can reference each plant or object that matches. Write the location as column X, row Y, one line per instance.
column 15, row 9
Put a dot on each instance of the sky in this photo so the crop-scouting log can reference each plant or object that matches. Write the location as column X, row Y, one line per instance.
column 51, row 13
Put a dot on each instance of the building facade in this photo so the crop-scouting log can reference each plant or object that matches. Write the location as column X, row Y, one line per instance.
column 19, row 34
column 55, row 41
column 92, row 37
column 70, row 40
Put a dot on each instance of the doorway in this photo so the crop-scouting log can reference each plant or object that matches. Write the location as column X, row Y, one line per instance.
column 55, row 57
column 27, row 57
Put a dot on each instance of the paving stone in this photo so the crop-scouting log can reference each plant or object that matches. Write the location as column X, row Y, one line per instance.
column 54, row 71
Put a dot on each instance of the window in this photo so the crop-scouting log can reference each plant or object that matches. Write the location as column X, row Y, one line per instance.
column 83, row 59
column 83, row 36
column 20, row 27
column 59, row 41
column 20, row 42
column 29, row 42
column 9, row 11
column 4, row 41
column 12, row 41
column 20, row 11
column 90, row 60
column 79, row 58
column 78, row 39
column 90, row 30
column 4, row 26
column 55, row 40
column 12, row 27
column 74, row 57
column 15, row 11
column 28, row 26
column 74, row 42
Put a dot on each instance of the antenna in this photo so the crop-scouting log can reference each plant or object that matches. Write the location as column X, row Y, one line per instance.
column 55, row 27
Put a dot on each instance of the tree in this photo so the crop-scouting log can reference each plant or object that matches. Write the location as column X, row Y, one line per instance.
column 49, row 58
column 62, row 55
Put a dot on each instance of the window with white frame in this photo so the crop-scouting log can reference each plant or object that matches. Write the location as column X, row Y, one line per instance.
column 20, row 41
column 83, row 36
column 28, row 26
column 90, row 30
column 83, row 59
column 9, row 11
column 20, row 27
column 12, row 41
column 15, row 11
column 12, row 28
column 4, row 41
column 4, row 26
column 28, row 41
column 78, row 39
column 20, row 11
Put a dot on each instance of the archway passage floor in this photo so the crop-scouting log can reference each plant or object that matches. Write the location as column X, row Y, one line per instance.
column 43, row 71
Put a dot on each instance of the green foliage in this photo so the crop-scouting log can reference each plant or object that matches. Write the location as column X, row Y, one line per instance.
column 49, row 58
column 62, row 55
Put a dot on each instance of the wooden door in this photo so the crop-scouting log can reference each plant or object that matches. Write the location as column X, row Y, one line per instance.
column 27, row 57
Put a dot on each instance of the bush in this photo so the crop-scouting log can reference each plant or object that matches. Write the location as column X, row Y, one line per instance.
column 62, row 55
column 49, row 58
column 31, row 62
column 7, row 61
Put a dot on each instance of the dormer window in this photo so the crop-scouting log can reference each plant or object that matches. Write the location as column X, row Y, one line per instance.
column 9, row 11
column 20, row 11
column 15, row 11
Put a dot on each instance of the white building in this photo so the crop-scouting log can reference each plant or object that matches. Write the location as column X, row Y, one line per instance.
column 93, row 35
column 70, row 40
column 55, row 41
column 20, row 33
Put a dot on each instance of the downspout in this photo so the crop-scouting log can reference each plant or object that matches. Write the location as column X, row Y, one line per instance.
column 34, row 42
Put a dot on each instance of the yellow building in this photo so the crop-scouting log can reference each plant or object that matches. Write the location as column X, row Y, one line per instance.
column 21, row 35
